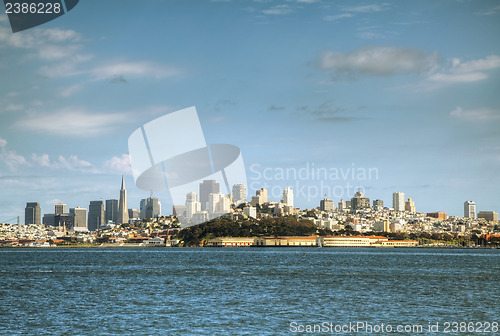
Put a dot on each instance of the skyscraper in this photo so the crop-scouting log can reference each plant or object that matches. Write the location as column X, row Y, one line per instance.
column 96, row 215
column 218, row 204
column 79, row 217
column 469, row 209
column 359, row 202
column 262, row 193
column 398, row 201
column 239, row 194
column 150, row 208
column 207, row 187
column 111, row 210
column 287, row 197
column 410, row 206
column 192, row 205
column 32, row 213
column 122, row 215
column 326, row 204
column 378, row 204
column 59, row 208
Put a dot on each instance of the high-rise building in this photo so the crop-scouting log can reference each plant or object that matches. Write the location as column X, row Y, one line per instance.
column 239, row 194
column 111, row 210
column 469, row 209
column 150, row 208
column 59, row 208
column 378, row 204
column 32, row 213
column 134, row 214
column 287, row 197
column 218, row 204
column 398, row 201
column 96, row 215
column 207, row 187
column 342, row 205
column 359, row 202
column 192, row 205
column 410, row 206
column 326, row 204
column 122, row 215
column 490, row 216
column 262, row 193
column 79, row 217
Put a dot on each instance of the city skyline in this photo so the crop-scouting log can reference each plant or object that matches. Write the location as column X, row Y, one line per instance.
column 192, row 212
column 408, row 89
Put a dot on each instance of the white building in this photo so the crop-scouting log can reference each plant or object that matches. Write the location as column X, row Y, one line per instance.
column 192, row 205
column 218, row 204
column 469, row 209
column 250, row 211
column 287, row 197
column 239, row 194
column 398, row 201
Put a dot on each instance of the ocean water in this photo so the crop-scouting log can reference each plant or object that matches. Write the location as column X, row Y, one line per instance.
column 248, row 291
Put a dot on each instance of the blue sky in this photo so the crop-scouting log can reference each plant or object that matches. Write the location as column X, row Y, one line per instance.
column 409, row 89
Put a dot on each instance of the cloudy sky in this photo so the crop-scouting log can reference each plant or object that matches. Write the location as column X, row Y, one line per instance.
column 409, row 90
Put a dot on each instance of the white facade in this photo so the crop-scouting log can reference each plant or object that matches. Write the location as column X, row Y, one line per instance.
column 287, row 197
column 250, row 211
column 469, row 209
column 398, row 201
column 218, row 203
column 192, row 204
column 239, row 194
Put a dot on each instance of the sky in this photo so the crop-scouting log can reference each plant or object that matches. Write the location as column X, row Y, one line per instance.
column 327, row 97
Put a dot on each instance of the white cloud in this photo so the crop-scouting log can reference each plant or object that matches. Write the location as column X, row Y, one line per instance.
column 471, row 71
column 70, row 163
column 338, row 17
column 119, row 165
column 71, row 122
column 367, row 8
column 144, row 69
column 490, row 11
column 378, row 61
column 278, row 10
column 70, row 90
column 476, row 115
column 10, row 158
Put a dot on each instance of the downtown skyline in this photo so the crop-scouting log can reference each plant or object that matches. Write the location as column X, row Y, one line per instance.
column 408, row 89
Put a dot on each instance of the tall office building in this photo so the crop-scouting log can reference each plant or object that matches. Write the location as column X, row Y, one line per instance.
column 192, row 205
column 122, row 215
column 207, row 187
column 150, row 208
column 59, row 208
column 410, row 206
column 32, row 213
column 262, row 193
column 287, row 199
column 491, row 216
column 218, row 204
column 79, row 217
column 239, row 194
column 111, row 210
column 378, row 205
column 342, row 205
column 326, row 204
column 398, row 201
column 469, row 209
column 359, row 202
column 96, row 215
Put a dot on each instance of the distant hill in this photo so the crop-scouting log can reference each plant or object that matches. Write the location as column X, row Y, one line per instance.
column 223, row 227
